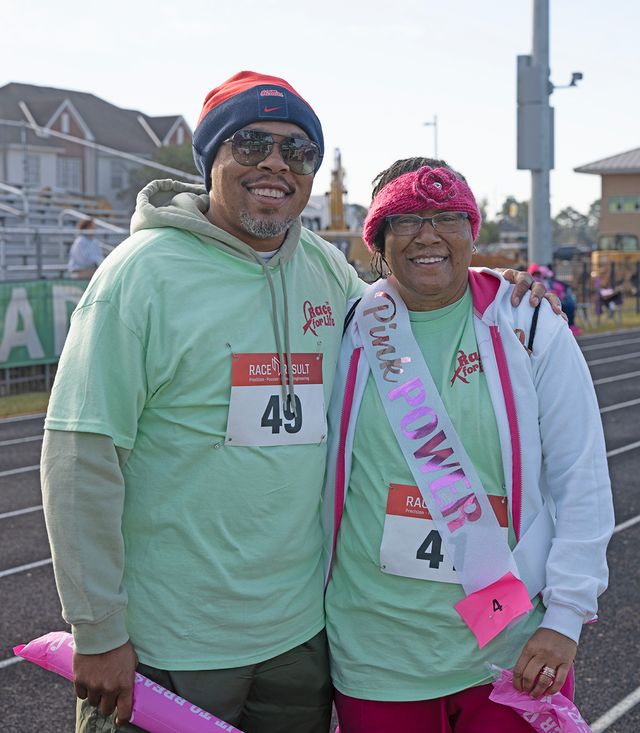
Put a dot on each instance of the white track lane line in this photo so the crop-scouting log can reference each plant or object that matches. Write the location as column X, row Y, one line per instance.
column 610, row 359
column 17, row 441
column 19, row 512
column 15, row 471
column 8, row 662
column 616, row 712
column 623, row 449
column 606, row 334
column 625, row 525
column 24, row 568
column 617, row 378
column 593, row 347
column 20, row 418
column 620, row 406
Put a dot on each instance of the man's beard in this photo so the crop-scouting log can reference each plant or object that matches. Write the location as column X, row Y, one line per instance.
column 263, row 229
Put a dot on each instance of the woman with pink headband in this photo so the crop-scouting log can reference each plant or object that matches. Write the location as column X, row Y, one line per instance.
column 467, row 510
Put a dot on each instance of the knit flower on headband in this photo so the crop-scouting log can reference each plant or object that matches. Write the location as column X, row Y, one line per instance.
column 435, row 185
column 436, row 189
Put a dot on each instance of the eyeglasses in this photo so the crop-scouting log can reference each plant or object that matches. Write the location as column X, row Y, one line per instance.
column 250, row 147
column 446, row 222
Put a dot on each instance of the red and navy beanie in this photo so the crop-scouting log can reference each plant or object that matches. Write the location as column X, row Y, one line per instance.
column 245, row 98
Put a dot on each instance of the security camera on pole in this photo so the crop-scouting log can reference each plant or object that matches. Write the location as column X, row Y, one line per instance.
column 535, row 132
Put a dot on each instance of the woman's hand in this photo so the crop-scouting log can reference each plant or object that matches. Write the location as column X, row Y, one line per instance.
column 549, row 650
column 524, row 282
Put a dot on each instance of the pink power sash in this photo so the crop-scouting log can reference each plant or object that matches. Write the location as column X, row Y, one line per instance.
column 155, row 709
column 444, row 473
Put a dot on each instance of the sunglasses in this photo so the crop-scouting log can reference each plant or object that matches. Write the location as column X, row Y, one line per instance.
column 250, row 147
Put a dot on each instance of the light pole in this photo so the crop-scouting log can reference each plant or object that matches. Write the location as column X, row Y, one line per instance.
column 434, row 124
column 536, row 132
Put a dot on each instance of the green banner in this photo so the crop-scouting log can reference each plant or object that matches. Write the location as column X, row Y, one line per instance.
column 34, row 320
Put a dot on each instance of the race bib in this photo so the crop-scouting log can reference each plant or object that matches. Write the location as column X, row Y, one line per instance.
column 411, row 544
column 258, row 416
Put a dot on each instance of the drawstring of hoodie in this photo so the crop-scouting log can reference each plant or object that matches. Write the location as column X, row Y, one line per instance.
column 287, row 390
column 287, row 343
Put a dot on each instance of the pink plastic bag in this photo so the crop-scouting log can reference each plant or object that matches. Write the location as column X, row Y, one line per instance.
column 155, row 709
column 549, row 714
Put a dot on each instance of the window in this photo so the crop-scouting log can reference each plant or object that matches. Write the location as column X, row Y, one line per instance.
column 32, row 170
column 618, row 242
column 118, row 175
column 180, row 135
column 69, row 174
column 624, row 204
column 65, row 123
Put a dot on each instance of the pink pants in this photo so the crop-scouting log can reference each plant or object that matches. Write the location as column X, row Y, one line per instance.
column 469, row 711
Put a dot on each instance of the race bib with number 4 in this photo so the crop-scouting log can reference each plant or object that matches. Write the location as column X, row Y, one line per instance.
column 258, row 415
column 411, row 544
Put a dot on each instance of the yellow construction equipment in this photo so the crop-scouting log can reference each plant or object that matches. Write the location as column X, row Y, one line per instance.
column 337, row 193
column 347, row 240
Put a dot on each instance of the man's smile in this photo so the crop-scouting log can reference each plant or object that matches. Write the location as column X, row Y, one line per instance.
column 273, row 192
column 269, row 192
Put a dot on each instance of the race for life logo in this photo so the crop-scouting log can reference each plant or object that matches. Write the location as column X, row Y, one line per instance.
column 467, row 365
column 316, row 316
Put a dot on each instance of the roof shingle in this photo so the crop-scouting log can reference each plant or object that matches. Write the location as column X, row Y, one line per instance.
column 628, row 162
column 110, row 125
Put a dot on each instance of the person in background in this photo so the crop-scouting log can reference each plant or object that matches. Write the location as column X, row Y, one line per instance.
column 467, row 502
column 612, row 299
column 85, row 255
column 185, row 440
column 563, row 291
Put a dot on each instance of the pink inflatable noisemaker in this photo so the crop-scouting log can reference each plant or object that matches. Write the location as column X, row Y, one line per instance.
column 549, row 714
column 155, row 709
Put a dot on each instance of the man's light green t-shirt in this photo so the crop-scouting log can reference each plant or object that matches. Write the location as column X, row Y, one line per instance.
column 399, row 638
column 222, row 543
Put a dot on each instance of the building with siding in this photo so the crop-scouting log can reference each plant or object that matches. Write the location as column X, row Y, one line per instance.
column 32, row 159
column 620, row 200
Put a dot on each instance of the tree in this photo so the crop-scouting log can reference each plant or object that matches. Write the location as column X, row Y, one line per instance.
column 489, row 230
column 594, row 217
column 572, row 227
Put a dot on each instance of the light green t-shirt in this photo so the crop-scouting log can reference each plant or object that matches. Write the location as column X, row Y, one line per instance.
column 222, row 543
column 399, row 638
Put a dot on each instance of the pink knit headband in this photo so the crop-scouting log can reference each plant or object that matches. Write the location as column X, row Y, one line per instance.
column 426, row 188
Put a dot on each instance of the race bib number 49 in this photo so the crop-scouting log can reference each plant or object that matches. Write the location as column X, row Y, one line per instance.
column 411, row 544
column 258, row 415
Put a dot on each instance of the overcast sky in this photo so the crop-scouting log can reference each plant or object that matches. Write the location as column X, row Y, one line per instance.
column 373, row 70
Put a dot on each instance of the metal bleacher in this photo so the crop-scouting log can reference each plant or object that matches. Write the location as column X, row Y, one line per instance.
column 37, row 229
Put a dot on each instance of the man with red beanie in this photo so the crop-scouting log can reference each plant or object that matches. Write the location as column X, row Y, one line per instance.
column 186, row 434
column 185, row 440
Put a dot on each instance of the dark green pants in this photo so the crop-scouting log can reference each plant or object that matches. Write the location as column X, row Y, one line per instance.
column 290, row 693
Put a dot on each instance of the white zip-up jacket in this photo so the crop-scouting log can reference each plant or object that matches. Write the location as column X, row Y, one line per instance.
column 552, row 445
